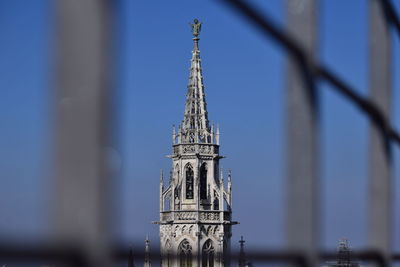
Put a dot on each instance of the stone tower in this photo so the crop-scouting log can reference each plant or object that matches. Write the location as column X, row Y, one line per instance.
column 195, row 207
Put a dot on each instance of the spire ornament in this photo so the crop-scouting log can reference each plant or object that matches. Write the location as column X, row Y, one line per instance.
column 196, row 27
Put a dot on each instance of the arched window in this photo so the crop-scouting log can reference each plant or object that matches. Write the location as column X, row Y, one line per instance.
column 185, row 254
column 207, row 254
column 203, row 181
column 189, row 182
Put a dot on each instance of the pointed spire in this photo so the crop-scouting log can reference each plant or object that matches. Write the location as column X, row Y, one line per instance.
column 161, row 190
column 195, row 125
column 179, row 134
column 221, row 191
column 162, row 178
column 212, row 133
column 147, row 261
column 217, row 135
column 242, row 255
column 230, row 189
column 173, row 135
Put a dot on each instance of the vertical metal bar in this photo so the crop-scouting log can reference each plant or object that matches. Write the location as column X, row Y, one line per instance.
column 81, row 187
column 380, row 180
column 302, row 134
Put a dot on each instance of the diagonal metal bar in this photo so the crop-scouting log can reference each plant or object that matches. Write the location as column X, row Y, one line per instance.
column 287, row 42
column 390, row 14
column 362, row 103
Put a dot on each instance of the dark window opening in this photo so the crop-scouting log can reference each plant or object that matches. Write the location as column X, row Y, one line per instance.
column 189, row 183
column 185, row 254
column 203, row 182
column 208, row 254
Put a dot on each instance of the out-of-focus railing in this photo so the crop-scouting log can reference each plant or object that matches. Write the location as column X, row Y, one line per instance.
column 304, row 73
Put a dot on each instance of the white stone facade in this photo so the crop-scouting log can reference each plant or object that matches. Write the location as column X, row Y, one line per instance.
column 195, row 207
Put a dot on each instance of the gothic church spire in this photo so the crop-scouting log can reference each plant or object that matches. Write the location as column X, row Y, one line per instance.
column 147, row 261
column 195, row 125
column 195, row 224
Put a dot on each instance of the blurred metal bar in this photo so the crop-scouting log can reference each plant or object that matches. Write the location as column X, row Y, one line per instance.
column 390, row 14
column 81, row 206
column 380, row 161
column 302, row 134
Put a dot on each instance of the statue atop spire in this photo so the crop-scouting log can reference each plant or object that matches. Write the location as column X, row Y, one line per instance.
column 196, row 27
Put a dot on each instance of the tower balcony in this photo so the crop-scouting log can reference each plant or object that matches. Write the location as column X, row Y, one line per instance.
column 205, row 216
column 198, row 148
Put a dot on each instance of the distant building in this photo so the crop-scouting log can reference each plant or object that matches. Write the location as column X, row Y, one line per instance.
column 195, row 207
column 344, row 256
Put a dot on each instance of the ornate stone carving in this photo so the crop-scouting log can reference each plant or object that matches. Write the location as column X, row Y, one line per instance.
column 188, row 149
column 215, row 229
column 205, row 149
column 209, row 230
column 185, row 215
column 209, row 215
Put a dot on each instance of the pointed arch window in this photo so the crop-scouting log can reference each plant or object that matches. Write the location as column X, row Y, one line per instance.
column 203, row 181
column 185, row 254
column 189, row 182
column 207, row 254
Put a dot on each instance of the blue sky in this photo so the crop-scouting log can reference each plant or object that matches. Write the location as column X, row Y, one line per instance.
column 244, row 75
